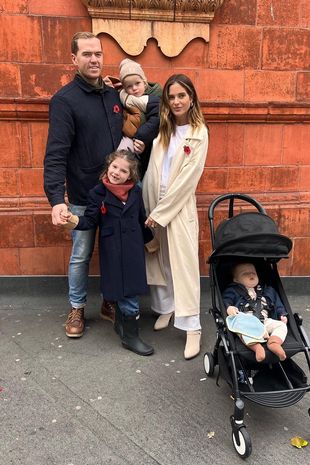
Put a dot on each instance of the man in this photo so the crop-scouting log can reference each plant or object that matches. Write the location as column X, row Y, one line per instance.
column 85, row 126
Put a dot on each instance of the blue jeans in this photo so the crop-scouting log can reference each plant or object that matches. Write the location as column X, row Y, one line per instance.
column 82, row 248
column 129, row 305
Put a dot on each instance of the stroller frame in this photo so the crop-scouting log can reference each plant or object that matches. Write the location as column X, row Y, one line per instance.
column 229, row 352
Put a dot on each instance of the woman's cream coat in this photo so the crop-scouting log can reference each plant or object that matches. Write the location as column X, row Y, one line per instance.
column 177, row 211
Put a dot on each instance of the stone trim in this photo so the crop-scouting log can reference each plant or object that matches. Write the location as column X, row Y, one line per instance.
column 173, row 23
column 36, row 109
column 39, row 205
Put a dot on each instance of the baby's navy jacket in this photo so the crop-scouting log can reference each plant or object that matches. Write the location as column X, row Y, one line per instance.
column 231, row 296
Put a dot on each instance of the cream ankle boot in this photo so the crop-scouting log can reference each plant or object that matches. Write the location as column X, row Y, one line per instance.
column 192, row 347
column 163, row 321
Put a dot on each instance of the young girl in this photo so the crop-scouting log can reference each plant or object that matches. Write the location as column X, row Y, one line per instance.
column 116, row 205
column 176, row 164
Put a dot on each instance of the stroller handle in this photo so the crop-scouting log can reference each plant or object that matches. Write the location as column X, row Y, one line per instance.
column 231, row 198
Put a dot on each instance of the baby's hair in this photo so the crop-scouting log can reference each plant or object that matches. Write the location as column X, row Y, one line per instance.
column 125, row 155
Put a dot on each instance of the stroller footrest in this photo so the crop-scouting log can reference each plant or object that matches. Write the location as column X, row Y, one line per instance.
column 276, row 399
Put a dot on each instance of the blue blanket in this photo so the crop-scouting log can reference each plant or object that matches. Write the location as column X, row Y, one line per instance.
column 248, row 326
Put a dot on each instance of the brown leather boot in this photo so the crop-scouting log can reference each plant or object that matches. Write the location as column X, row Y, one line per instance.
column 75, row 323
column 107, row 311
column 259, row 350
column 274, row 344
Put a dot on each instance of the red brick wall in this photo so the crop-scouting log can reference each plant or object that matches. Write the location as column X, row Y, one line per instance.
column 253, row 79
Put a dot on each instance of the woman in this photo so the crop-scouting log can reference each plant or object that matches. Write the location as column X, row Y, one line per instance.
column 176, row 164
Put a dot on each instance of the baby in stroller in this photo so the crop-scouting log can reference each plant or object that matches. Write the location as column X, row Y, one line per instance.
column 246, row 295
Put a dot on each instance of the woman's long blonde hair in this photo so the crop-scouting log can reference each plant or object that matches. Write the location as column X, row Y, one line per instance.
column 167, row 124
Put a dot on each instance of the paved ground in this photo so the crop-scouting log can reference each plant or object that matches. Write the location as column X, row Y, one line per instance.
column 91, row 402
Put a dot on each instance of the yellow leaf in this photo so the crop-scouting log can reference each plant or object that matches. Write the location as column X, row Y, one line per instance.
column 299, row 442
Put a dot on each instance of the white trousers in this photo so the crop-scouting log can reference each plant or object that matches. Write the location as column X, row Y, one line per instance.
column 162, row 297
column 276, row 328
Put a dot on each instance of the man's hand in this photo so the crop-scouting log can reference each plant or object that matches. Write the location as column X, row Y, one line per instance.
column 58, row 213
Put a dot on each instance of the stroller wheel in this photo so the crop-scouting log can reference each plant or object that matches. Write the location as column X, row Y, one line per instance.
column 208, row 362
column 242, row 442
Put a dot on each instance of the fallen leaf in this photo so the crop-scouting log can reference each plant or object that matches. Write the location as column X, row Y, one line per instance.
column 299, row 442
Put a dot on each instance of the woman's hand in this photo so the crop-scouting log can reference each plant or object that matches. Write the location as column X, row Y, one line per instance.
column 138, row 146
column 150, row 223
column 284, row 319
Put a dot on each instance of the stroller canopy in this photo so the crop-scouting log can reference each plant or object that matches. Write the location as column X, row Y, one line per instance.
column 250, row 234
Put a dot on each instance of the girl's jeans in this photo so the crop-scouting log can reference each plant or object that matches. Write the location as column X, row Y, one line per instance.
column 129, row 305
column 82, row 248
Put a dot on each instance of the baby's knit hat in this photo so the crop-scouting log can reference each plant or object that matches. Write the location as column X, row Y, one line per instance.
column 129, row 67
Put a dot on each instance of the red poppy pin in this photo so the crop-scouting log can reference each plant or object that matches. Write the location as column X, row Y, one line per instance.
column 103, row 208
column 116, row 109
column 187, row 150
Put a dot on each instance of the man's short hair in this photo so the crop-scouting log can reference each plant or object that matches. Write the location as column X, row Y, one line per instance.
column 80, row 35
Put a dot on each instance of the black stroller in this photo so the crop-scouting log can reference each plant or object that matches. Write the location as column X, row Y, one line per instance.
column 252, row 235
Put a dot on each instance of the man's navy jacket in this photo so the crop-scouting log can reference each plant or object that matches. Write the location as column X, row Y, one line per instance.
column 85, row 126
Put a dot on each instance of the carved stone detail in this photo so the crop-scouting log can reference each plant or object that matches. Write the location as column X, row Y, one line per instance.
column 173, row 23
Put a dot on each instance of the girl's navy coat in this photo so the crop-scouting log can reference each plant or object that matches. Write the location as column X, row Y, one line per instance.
column 122, row 235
